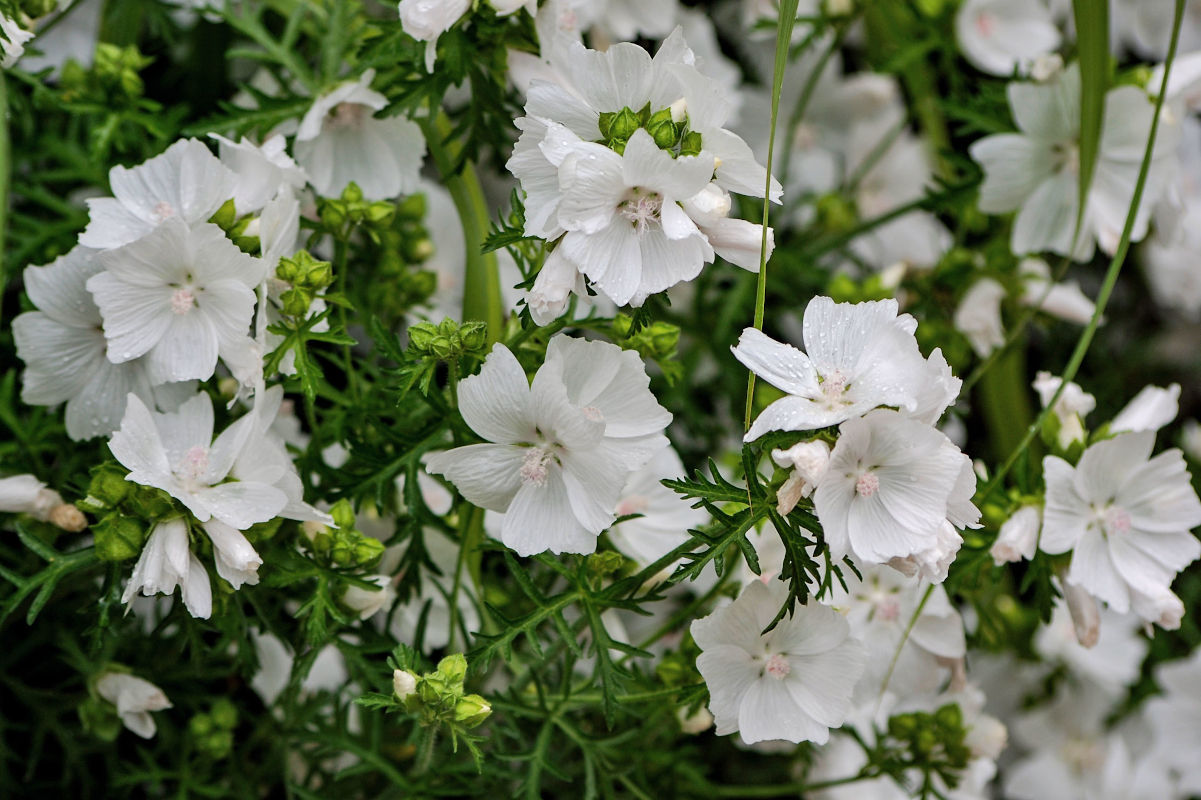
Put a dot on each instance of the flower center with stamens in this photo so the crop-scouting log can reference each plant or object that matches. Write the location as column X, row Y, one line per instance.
column 867, row 485
column 777, row 667
column 641, row 208
column 534, row 466
column 592, row 413
column 193, row 465
column 834, row 388
column 348, row 115
column 162, row 211
column 1115, row 521
column 183, row 301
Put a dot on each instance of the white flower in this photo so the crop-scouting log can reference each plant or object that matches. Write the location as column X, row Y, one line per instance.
column 1070, row 409
column 13, row 44
column 1035, row 171
column 367, row 602
column 625, row 228
column 999, row 36
column 666, row 517
column 978, row 316
column 1150, row 410
column 1176, row 719
column 891, row 484
column 63, row 347
column 793, row 683
column 426, row 20
column 185, row 182
column 262, row 171
column 167, row 562
column 808, row 461
column 179, row 296
column 175, row 452
column 1064, row 300
column 1018, row 537
column 1113, row 663
column 134, row 698
column 340, row 141
column 1125, row 516
column 939, row 389
column 25, row 494
column 858, row 357
column 560, row 450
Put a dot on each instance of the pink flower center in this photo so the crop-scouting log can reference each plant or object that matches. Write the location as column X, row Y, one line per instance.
column 834, row 388
column 593, row 414
column 194, row 464
column 888, row 609
column 162, row 211
column 641, row 208
column 534, row 466
column 183, row 301
column 1116, row 521
column 867, row 485
column 777, row 667
column 349, row 115
column 986, row 24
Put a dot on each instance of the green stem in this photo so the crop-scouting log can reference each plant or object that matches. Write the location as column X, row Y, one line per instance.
column 425, row 750
column 1111, row 275
column 788, row 9
column 1005, row 401
column 5, row 177
column 481, row 283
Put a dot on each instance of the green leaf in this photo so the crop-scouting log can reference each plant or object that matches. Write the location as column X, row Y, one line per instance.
column 1092, row 39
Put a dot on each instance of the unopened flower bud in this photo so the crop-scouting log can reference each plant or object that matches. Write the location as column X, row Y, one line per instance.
column 473, row 335
column 471, row 710
column 68, row 517
column 421, row 336
column 404, row 683
column 624, row 125
column 1086, row 616
column 453, row 668
column 1018, row 537
column 679, row 110
column 697, row 722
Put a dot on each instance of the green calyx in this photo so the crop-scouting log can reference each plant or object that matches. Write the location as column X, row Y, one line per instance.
column 668, row 127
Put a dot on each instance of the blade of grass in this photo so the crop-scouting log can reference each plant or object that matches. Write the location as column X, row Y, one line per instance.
column 788, row 10
column 1092, row 42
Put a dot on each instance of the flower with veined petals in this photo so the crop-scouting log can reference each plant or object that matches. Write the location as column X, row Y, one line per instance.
column 858, row 357
column 560, row 450
column 793, row 683
column 891, row 486
column 999, row 36
column 179, row 296
column 186, row 182
column 1126, row 517
column 166, row 562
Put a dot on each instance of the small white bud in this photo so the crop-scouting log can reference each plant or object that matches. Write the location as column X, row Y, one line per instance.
column 1046, row 67
column 1018, row 537
column 404, row 683
column 679, row 111
column 1086, row 616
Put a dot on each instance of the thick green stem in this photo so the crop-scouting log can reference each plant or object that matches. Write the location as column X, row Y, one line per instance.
column 481, row 283
column 1005, row 401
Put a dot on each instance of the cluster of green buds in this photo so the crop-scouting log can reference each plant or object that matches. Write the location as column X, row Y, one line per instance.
column 933, row 739
column 340, row 215
column 448, row 340
column 126, row 512
column 113, row 77
column 37, row 8
column 403, row 248
column 669, row 127
column 657, row 341
column 438, row 697
column 213, row 732
column 344, row 545
column 306, row 278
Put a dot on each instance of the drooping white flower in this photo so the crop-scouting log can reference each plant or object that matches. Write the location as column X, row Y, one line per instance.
column 368, row 602
column 340, row 140
column 1073, row 405
column 808, row 461
column 25, row 494
column 134, row 698
column 63, row 347
column 426, row 20
column 1149, row 410
column 1018, row 537
column 1035, row 171
column 978, row 316
column 13, row 44
column 891, row 485
column 176, row 452
column 1000, row 36
column 857, row 357
column 262, row 171
column 167, row 562
column 1064, row 300
column 186, row 182
column 179, row 295
column 1125, row 516
column 793, row 683
column 560, row 450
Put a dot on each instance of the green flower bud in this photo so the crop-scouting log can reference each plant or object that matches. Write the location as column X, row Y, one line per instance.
column 109, row 484
column 412, row 207
column 604, row 563
column 352, row 193
column 473, row 335
column 622, row 324
column 658, row 118
column 453, row 668
column 99, row 718
column 201, row 725
column 225, row 714
column 471, row 710
column 333, row 214
column 367, row 550
column 664, row 134
column 226, row 216
column 38, row 8
column 151, row 503
column 343, row 514
column 690, row 144
column 381, row 213
column 605, row 123
column 417, row 249
column 624, row 125
column 296, row 302
column 421, row 336
column 118, row 537
column 443, row 347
